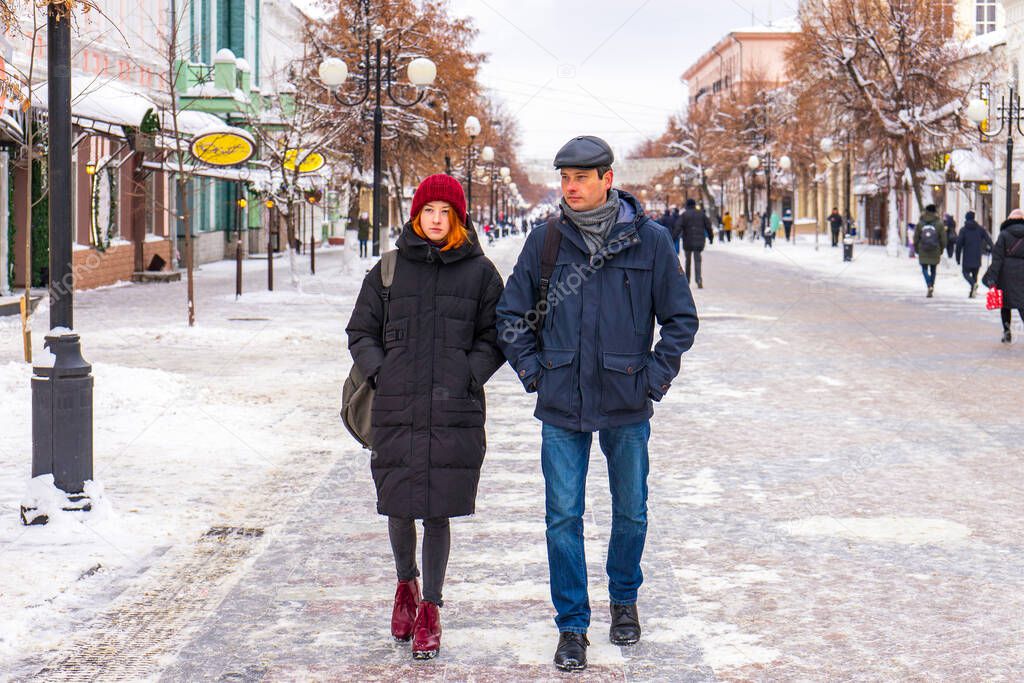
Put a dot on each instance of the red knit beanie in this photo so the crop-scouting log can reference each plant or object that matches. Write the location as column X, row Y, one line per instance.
column 440, row 188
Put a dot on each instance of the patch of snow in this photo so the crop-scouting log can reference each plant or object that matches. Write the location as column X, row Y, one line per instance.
column 905, row 530
column 723, row 646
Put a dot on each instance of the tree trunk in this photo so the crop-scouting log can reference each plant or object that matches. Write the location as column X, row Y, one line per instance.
column 289, row 221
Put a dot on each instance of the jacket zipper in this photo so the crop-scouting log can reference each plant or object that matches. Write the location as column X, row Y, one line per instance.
column 430, row 403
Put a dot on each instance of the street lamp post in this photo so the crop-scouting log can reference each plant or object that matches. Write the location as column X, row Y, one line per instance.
column 448, row 124
column 472, row 128
column 1009, row 117
column 62, row 393
column 828, row 146
column 770, row 165
column 421, row 71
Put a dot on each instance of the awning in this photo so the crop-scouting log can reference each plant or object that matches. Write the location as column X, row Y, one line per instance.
column 10, row 129
column 971, row 166
column 100, row 106
column 246, row 174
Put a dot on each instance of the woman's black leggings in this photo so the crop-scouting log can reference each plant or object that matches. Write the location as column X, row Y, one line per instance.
column 436, row 545
column 1007, row 314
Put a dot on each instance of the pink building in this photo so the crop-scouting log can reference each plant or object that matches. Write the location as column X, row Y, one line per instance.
column 756, row 53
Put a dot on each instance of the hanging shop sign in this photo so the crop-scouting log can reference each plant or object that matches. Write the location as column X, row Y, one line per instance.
column 224, row 147
column 311, row 161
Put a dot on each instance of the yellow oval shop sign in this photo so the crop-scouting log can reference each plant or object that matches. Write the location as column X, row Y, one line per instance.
column 223, row 147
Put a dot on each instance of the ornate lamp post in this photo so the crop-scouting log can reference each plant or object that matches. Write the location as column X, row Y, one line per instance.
column 487, row 157
column 379, row 70
column 472, row 129
column 770, row 166
column 1009, row 118
column 828, row 146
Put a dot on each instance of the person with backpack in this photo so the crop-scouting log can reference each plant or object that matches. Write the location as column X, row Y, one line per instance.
column 427, row 343
column 1007, row 269
column 604, row 272
column 971, row 243
column 929, row 243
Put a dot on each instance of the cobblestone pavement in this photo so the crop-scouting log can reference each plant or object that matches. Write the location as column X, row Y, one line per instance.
column 835, row 495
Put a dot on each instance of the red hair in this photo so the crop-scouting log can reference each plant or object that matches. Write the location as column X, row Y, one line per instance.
column 457, row 232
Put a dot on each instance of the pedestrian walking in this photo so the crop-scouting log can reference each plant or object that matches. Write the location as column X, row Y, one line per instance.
column 593, row 369
column 757, row 227
column 771, row 230
column 695, row 229
column 929, row 243
column 950, row 224
column 970, row 244
column 363, row 234
column 835, row 224
column 666, row 219
column 787, row 223
column 1007, row 269
column 428, row 344
column 727, row 226
column 741, row 226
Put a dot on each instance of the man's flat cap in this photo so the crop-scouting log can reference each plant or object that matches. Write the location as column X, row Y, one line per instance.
column 586, row 151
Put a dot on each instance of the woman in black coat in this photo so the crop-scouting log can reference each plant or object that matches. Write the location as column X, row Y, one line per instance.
column 429, row 363
column 1007, row 269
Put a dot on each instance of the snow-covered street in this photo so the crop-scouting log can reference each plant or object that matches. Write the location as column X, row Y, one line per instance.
column 836, row 489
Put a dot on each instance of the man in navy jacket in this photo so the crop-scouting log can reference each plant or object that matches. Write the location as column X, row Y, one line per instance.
column 594, row 370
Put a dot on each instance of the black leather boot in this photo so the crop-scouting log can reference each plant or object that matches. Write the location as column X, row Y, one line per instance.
column 571, row 654
column 625, row 628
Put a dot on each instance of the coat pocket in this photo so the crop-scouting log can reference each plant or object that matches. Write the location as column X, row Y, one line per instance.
column 459, row 334
column 557, row 389
column 623, row 384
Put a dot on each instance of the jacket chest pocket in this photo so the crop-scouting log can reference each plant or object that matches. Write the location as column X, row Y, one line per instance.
column 632, row 283
column 624, row 382
column 456, row 343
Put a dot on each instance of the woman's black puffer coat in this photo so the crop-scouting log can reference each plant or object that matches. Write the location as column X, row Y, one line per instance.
column 1007, row 269
column 436, row 353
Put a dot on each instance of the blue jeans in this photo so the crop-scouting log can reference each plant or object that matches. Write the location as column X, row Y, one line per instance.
column 675, row 243
column 929, row 274
column 565, row 456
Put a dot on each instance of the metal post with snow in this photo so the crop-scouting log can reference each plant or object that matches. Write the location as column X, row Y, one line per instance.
column 61, row 391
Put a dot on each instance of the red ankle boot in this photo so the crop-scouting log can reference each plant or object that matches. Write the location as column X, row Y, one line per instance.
column 426, row 638
column 403, row 616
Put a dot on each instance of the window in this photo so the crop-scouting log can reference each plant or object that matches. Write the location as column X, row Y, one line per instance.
column 984, row 16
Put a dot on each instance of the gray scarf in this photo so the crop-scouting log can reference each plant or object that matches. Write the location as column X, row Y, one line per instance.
column 594, row 225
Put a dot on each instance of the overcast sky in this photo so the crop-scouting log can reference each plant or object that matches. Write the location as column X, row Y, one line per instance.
column 603, row 67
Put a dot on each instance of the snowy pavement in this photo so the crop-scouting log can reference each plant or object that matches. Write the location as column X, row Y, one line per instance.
column 835, row 494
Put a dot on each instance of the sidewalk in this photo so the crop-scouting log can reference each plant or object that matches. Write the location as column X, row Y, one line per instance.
column 804, row 523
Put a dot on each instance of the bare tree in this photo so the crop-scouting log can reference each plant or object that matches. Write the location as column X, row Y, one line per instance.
column 294, row 125
column 893, row 68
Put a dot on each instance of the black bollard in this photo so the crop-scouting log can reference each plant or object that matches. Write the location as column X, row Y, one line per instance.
column 62, row 423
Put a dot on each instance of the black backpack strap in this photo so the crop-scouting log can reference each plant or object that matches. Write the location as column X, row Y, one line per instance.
column 388, row 264
column 548, row 259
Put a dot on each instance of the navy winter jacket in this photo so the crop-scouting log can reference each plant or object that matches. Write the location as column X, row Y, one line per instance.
column 596, row 368
column 971, row 243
